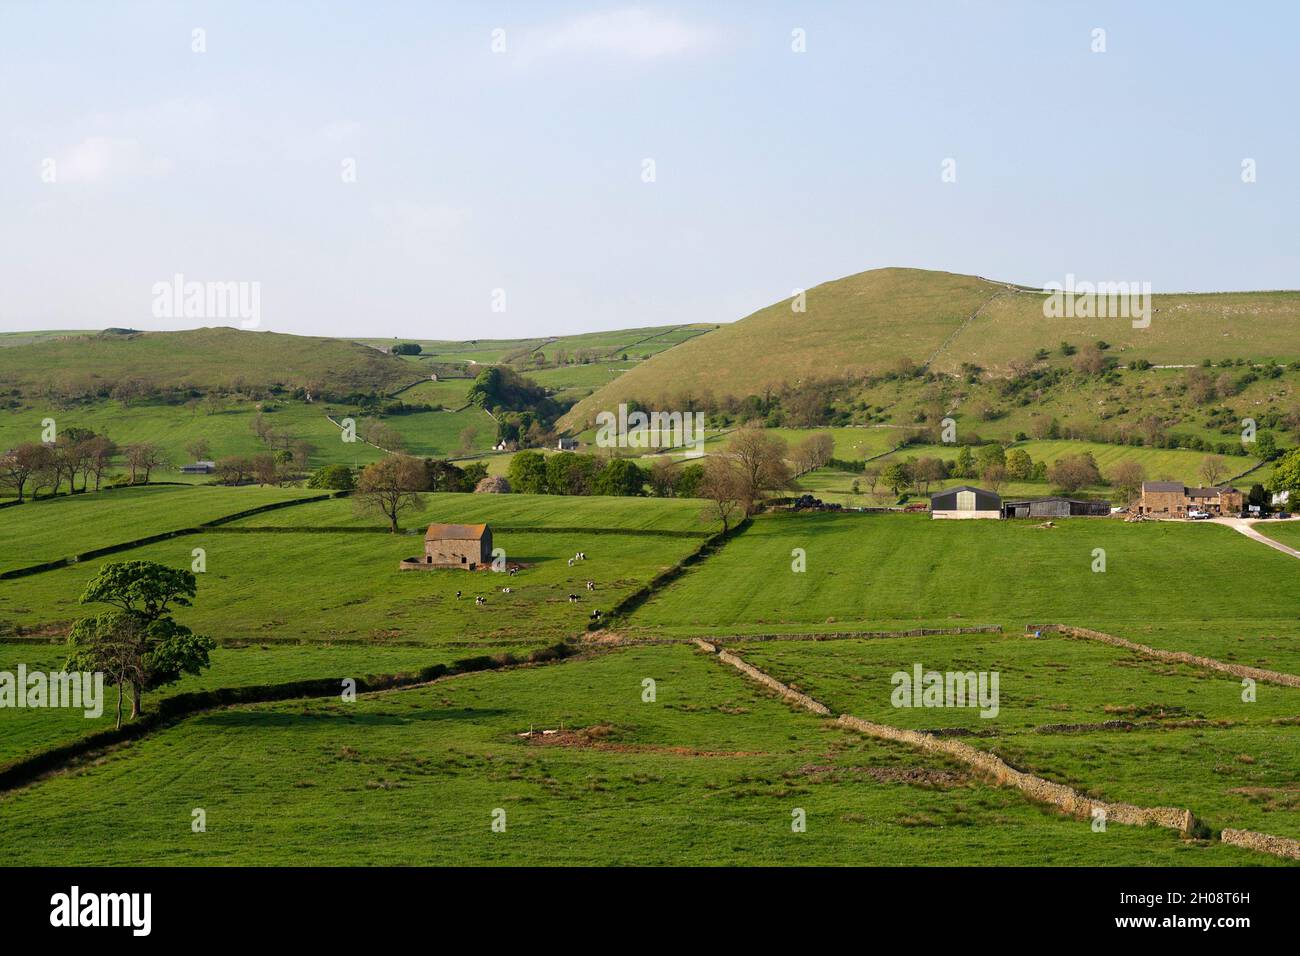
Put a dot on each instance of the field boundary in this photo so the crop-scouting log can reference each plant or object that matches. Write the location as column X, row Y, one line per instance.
column 811, row 636
column 170, row 710
column 992, row 767
column 1174, row 657
column 999, row 772
column 211, row 525
column 630, row 602
column 509, row 529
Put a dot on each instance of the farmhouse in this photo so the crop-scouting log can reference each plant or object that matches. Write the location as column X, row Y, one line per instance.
column 1172, row 499
column 453, row 546
column 1055, row 507
column 965, row 502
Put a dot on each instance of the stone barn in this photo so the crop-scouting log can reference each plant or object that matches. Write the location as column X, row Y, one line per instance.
column 467, row 546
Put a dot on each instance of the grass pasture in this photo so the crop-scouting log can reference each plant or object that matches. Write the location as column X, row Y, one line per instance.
column 707, row 774
column 53, row 528
column 863, row 569
column 1195, row 743
column 340, row 586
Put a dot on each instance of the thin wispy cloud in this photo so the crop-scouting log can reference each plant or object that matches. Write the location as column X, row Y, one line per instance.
column 632, row 33
column 99, row 159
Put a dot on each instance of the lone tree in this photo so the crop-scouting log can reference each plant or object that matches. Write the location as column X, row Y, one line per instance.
column 723, row 485
column 392, row 486
column 23, row 464
column 760, row 461
column 1213, row 470
column 138, row 644
column 1126, row 478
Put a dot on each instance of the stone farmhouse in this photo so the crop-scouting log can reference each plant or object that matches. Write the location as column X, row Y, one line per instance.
column 467, row 546
column 1173, row 499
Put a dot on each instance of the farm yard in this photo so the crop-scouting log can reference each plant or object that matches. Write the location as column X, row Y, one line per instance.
column 708, row 766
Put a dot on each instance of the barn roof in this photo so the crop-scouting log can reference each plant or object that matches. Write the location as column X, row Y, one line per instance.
column 456, row 532
column 1177, row 486
column 948, row 491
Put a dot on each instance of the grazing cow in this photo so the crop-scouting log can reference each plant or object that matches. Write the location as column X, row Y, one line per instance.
column 457, row 595
column 514, row 571
column 505, row 590
column 573, row 599
column 480, row 601
column 595, row 615
column 570, row 562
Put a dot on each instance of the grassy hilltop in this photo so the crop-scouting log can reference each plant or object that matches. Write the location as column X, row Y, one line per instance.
column 201, row 359
column 866, row 323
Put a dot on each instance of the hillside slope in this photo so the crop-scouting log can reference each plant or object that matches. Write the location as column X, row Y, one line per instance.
column 867, row 322
column 201, row 358
column 861, row 323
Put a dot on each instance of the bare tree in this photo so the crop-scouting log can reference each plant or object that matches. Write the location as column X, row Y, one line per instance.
column 22, row 465
column 1126, row 478
column 994, row 475
column 760, row 458
column 392, row 486
column 143, row 458
column 1214, row 468
column 723, row 484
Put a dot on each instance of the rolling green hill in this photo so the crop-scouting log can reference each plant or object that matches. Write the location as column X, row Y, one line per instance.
column 867, row 323
column 201, row 358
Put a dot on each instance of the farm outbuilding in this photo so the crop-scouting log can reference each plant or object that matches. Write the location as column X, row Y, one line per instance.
column 467, row 546
column 1055, row 506
column 965, row 502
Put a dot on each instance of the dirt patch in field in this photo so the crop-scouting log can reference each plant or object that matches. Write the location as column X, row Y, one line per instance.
column 595, row 738
column 1270, row 798
column 1130, row 725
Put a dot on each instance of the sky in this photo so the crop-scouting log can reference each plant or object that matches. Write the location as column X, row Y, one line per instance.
column 497, row 170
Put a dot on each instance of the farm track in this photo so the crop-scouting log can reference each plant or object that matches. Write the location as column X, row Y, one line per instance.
column 1000, row 773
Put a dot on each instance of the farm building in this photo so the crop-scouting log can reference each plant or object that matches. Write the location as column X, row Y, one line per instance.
column 965, row 502
column 1172, row 499
column 199, row 468
column 466, row 546
column 567, row 444
column 1054, row 506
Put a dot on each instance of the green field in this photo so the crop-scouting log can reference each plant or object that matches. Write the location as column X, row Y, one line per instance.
column 1195, row 743
column 708, row 774
column 867, row 568
column 46, row 530
column 232, row 666
column 518, row 511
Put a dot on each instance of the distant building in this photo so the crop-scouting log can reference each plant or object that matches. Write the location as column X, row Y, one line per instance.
column 1173, row 499
column 453, row 546
column 567, row 444
column 199, row 468
column 965, row 502
column 1055, row 506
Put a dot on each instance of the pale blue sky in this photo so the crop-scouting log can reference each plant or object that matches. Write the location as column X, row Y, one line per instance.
column 522, row 170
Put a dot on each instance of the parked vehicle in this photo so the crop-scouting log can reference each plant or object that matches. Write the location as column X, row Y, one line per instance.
column 1196, row 515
